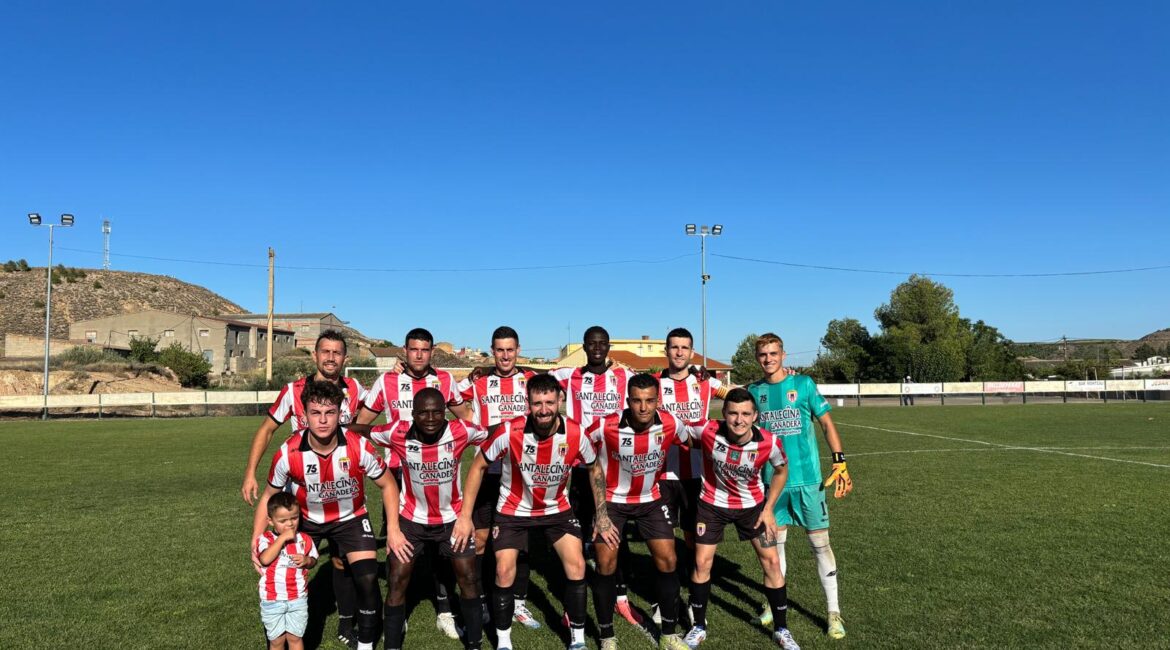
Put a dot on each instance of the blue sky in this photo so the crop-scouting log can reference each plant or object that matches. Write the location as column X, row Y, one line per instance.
column 989, row 137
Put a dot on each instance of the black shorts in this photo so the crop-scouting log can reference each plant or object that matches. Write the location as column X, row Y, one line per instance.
column 439, row 534
column 510, row 531
column 712, row 520
column 485, row 502
column 651, row 519
column 683, row 499
column 344, row 537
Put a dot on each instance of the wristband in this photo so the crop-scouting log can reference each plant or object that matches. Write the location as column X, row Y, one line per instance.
column 838, row 457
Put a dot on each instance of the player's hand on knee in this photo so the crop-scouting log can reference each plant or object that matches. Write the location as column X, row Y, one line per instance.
column 397, row 544
column 604, row 529
column 767, row 519
column 461, row 534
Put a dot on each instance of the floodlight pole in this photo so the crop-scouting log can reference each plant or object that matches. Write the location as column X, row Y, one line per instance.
column 703, row 232
column 66, row 220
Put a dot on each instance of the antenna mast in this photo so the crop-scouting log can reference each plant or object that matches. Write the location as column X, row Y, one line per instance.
column 106, row 241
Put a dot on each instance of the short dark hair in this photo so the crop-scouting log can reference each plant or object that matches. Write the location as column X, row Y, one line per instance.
column 331, row 335
column 429, row 392
column 419, row 334
column 642, row 381
column 738, row 396
column 594, row 329
column 321, row 392
column 544, row 383
column 505, row 332
column 284, row 500
column 680, row 333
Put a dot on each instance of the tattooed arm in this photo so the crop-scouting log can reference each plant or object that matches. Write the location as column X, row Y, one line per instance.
column 602, row 526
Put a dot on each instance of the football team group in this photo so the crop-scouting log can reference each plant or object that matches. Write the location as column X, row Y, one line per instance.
column 586, row 459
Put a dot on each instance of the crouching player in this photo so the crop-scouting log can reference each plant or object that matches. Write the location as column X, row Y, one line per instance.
column 428, row 450
column 286, row 556
column 734, row 453
column 326, row 468
column 539, row 451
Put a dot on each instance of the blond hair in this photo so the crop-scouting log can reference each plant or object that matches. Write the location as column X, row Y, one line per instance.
column 768, row 339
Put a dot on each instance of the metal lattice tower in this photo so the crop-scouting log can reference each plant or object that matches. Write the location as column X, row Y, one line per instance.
column 106, row 241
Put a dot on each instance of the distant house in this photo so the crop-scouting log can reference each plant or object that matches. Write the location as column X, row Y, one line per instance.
column 642, row 355
column 228, row 345
column 1152, row 367
column 307, row 326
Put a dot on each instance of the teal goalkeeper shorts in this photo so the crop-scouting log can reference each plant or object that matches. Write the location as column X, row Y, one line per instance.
column 803, row 506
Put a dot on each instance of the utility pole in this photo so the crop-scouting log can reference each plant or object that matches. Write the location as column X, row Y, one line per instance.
column 271, row 284
column 1064, row 347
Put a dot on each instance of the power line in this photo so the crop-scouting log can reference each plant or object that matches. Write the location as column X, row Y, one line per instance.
column 943, row 275
column 395, row 270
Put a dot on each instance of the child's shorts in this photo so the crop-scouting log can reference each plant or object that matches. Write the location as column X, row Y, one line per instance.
column 284, row 616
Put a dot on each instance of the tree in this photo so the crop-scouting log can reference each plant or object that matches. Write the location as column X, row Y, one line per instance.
column 744, row 368
column 1144, row 351
column 990, row 355
column 143, row 349
column 848, row 346
column 191, row 368
column 922, row 334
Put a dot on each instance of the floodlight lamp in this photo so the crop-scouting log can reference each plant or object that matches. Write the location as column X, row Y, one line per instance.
column 690, row 227
column 705, row 230
column 66, row 220
column 34, row 218
column 718, row 228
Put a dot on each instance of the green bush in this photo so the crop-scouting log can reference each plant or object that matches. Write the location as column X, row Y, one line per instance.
column 97, row 285
column 142, row 349
column 83, row 356
column 190, row 367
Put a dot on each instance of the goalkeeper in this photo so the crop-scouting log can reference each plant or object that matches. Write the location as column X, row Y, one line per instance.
column 788, row 405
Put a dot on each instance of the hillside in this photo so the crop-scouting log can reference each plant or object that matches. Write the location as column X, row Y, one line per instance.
column 99, row 293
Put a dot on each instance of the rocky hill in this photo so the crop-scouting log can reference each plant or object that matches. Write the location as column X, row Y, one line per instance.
column 92, row 293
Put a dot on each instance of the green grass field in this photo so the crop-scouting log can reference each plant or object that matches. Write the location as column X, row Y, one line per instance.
column 1009, row 526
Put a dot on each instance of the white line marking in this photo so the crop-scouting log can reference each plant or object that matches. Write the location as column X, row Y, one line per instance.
column 1042, row 450
column 943, row 450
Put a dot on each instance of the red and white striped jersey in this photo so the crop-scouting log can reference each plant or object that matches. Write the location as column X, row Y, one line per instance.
column 536, row 471
column 633, row 460
column 732, row 473
column 495, row 398
column 690, row 400
column 328, row 488
column 589, row 396
column 284, row 580
column 432, row 492
column 288, row 403
column 394, row 392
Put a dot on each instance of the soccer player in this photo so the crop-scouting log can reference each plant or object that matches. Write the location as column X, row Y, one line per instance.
column 788, row 406
column 686, row 394
column 633, row 446
column 428, row 449
column 734, row 453
column 393, row 392
column 593, row 391
column 287, row 556
column 497, row 395
column 325, row 468
column 329, row 355
column 538, row 451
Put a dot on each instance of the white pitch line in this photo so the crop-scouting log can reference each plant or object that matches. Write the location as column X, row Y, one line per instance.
column 966, row 449
column 1002, row 446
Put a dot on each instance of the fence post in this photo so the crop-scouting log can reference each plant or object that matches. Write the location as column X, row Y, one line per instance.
column 859, row 393
column 942, row 397
column 99, row 406
column 152, row 411
column 983, row 393
column 206, row 408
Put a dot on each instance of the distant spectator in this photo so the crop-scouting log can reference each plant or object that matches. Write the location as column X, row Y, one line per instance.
column 907, row 398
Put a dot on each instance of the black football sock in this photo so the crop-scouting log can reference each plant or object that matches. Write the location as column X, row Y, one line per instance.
column 473, row 622
column 700, row 592
column 604, row 596
column 503, row 604
column 668, row 601
column 345, row 594
column 393, row 626
column 778, row 602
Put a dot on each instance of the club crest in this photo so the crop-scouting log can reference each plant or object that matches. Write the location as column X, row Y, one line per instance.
column 562, row 449
column 792, row 396
column 495, row 532
column 700, row 529
column 734, row 455
column 343, row 463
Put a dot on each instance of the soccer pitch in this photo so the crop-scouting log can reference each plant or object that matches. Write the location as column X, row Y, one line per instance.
column 1007, row 526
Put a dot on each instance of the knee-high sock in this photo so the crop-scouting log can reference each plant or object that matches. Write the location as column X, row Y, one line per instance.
column 604, row 597
column 625, row 560
column 365, row 578
column 668, row 590
column 826, row 567
column 781, row 540
column 700, row 593
column 393, row 627
column 778, row 603
column 575, row 608
column 520, row 584
column 473, row 620
column 441, row 576
column 503, row 604
column 346, row 595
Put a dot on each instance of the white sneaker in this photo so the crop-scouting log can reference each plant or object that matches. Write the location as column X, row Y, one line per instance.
column 446, row 624
column 608, row 644
column 783, row 638
column 697, row 635
column 765, row 617
column 656, row 616
column 524, row 617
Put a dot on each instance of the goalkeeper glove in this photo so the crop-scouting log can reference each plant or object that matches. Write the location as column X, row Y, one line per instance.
column 840, row 476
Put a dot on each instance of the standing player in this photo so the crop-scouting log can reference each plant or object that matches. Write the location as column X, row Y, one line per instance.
column 788, row 405
column 393, row 393
column 428, row 449
column 496, row 396
column 734, row 453
column 329, row 355
column 325, row 468
column 593, row 391
column 538, row 451
column 632, row 447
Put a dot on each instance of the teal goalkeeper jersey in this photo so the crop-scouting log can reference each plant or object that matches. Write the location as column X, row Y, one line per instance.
column 789, row 409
